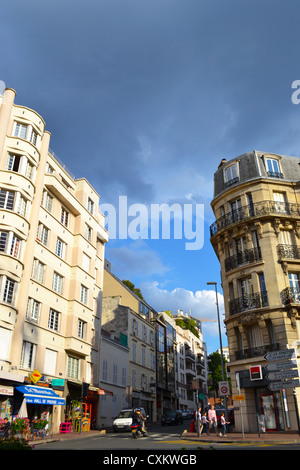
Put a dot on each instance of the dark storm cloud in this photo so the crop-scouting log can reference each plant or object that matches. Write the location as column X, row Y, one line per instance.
column 137, row 92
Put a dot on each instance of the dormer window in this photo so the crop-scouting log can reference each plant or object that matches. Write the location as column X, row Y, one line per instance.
column 231, row 175
column 273, row 167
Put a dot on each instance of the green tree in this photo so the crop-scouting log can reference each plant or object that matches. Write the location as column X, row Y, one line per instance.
column 187, row 323
column 215, row 371
column 134, row 289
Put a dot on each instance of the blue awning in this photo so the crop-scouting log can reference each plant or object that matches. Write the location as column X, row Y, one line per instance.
column 40, row 395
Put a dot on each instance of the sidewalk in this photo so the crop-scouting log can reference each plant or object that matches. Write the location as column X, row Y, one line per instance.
column 249, row 438
column 66, row 437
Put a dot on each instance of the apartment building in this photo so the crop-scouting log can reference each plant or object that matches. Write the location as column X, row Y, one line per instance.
column 52, row 240
column 256, row 239
column 129, row 319
column 191, row 364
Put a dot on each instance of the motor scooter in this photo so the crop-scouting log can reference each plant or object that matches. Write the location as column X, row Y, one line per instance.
column 136, row 431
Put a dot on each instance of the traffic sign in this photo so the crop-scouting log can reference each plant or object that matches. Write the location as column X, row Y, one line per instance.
column 283, row 374
column 224, row 389
column 239, row 397
column 273, row 386
column 273, row 366
column 201, row 396
column 279, row 355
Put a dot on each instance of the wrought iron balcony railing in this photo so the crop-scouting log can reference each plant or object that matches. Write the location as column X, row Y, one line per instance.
column 290, row 295
column 288, row 251
column 248, row 302
column 257, row 209
column 242, row 257
column 255, row 352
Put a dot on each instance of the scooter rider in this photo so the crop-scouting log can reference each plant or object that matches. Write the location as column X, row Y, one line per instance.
column 140, row 420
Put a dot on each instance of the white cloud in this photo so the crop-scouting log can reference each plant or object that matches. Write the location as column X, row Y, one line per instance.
column 201, row 304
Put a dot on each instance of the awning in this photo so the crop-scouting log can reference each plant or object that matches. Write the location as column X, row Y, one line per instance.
column 101, row 391
column 40, row 395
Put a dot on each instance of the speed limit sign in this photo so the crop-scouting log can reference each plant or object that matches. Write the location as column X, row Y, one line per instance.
column 224, row 389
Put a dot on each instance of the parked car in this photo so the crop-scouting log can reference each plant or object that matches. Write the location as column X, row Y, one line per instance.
column 172, row 417
column 185, row 414
column 124, row 419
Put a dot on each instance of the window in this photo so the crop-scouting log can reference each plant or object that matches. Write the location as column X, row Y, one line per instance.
column 15, row 247
column 64, row 217
column 86, row 262
column 104, row 370
column 280, row 203
column 13, row 162
column 134, row 352
column 22, row 206
column 5, row 343
column 90, row 206
column 28, row 355
column 29, row 171
column 38, row 270
column 73, row 367
column 33, row 310
column 53, row 320
column 8, row 292
column 115, row 373
column 273, row 168
column 48, row 201
column 60, row 248
column 7, row 199
column 124, row 376
column 88, row 232
column 33, row 137
column 50, row 362
column 57, row 285
column 231, row 175
column 84, row 294
column 43, row 234
column 81, row 329
column 3, row 241
column 20, row 130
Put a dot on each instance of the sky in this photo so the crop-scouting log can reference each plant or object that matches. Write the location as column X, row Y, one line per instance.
column 143, row 98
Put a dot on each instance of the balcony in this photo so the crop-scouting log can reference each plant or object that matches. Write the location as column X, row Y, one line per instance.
column 242, row 257
column 248, row 302
column 255, row 352
column 257, row 209
column 291, row 295
column 288, row 252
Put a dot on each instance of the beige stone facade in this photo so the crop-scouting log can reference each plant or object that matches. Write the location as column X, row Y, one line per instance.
column 52, row 241
column 256, row 239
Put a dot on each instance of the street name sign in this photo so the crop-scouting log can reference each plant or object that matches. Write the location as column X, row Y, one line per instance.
column 273, row 356
column 274, row 386
column 239, row 397
column 283, row 374
column 273, row 366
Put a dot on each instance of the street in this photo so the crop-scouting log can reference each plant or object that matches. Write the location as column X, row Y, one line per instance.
column 159, row 438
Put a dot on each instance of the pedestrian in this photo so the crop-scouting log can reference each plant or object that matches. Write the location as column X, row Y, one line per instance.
column 5, row 429
column 212, row 418
column 223, row 424
column 198, row 420
column 204, row 424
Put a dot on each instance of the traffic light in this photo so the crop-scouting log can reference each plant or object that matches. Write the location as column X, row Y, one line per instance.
column 84, row 389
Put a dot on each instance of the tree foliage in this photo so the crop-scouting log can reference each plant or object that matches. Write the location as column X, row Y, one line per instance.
column 134, row 289
column 187, row 323
column 215, row 370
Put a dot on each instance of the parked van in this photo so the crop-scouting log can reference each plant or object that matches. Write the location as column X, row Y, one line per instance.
column 124, row 419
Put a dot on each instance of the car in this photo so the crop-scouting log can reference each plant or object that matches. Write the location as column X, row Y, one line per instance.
column 124, row 419
column 185, row 414
column 172, row 417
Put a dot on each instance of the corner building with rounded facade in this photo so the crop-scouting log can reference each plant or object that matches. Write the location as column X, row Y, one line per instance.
column 256, row 237
column 52, row 241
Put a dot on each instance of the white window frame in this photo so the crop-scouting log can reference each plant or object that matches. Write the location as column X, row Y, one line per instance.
column 73, row 367
column 84, row 294
column 57, row 284
column 53, row 320
column 33, row 310
column 28, row 355
column 20, row 130
column 60, row 249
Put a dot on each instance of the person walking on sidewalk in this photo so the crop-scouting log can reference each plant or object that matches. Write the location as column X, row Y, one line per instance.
column 223, row 424
column 204, row 424
column 212, row 418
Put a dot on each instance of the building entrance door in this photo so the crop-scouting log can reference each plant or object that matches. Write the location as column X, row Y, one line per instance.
column 269, row 411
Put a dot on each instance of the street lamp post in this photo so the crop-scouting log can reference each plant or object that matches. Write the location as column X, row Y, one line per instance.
column 220, row 337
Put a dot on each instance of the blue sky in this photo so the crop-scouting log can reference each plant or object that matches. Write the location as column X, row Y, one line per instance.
column 144, row 98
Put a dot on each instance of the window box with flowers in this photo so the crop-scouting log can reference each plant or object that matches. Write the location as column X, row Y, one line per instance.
column 39, row 423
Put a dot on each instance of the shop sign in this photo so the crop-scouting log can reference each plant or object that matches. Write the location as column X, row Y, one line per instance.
column 35, row 376
column 6, row 390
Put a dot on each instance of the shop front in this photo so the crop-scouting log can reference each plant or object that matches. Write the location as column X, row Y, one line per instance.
column 40, row 403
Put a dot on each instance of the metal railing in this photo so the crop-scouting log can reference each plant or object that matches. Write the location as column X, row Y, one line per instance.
column 257, row 209
column 290, row 295
column 255, row 352
column 242, row 257
column 248, row 302
column 288, row 251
